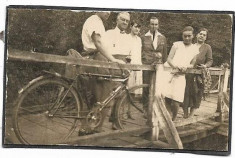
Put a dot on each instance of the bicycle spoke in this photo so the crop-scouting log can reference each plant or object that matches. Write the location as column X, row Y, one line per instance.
column 130, row 109
column 46, row 113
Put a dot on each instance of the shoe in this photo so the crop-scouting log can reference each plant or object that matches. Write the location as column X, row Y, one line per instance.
column 114, row 127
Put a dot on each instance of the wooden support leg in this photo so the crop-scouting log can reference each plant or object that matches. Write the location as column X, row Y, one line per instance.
column 151, row 116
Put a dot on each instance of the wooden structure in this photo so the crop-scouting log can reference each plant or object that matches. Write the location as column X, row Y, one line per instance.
column 163, row 133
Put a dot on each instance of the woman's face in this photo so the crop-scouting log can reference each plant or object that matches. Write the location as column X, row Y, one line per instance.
column 201, row 36
column 135, row 29
column 187, row 37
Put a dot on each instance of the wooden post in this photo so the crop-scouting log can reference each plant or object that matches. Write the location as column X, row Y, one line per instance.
column 151, row 117
column 223, row 87
column 226, row 76
column 154, row 121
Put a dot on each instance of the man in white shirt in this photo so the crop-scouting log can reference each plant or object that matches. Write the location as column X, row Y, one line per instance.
column 93, row 42
column 93, row 35
column 118, row 44
column 118, row 38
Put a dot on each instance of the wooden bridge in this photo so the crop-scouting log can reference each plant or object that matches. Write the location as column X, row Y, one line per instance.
column 211, row 118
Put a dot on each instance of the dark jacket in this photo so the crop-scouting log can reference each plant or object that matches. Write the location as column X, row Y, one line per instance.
column 148, row 51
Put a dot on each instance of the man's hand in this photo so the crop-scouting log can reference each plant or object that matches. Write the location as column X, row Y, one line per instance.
column 201, row 66
column 183, row 69
column 118, row 61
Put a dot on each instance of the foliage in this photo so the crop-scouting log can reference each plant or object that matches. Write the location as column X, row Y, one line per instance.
column 55, row 31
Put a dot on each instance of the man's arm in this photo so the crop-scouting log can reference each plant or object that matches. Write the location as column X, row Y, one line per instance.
column 102, row 49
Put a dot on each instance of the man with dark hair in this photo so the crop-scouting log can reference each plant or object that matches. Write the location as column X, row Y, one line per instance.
column 153, row 42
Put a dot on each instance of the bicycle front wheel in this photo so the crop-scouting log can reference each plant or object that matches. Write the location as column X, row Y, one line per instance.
column 46, row 112
column 130, row 109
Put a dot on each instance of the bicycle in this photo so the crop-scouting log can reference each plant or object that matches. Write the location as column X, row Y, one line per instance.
column 50, row 109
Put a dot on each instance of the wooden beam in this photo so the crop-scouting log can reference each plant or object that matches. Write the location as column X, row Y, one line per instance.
column 162, row 145
column 14, row 54
column 94, row 137
column 40, row 57
column 197, row 136
column 226, row 76
column 151, row 116
column 166, row 123
column 195, row 119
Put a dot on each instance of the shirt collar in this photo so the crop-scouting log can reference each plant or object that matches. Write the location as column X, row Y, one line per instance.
column 118, row 30
column 156, row 33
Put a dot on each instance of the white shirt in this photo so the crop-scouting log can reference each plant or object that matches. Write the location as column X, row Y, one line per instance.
column 92, row 24
column 155, row 39
column 118, row 42
column 136, row 45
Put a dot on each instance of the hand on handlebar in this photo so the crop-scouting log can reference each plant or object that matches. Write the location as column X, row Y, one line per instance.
column 182, row 69
column 201, row 66
column 118, row 61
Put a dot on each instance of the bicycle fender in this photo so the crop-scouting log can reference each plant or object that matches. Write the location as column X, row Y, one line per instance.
column 30, row 83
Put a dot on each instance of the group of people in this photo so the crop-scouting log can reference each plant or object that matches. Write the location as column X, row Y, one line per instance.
column 116, row 45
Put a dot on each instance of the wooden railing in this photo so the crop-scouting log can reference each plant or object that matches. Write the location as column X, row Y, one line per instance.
column 157, row 112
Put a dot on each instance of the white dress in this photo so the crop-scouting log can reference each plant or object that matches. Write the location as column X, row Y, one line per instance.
column 135, row 54
column 174, row 86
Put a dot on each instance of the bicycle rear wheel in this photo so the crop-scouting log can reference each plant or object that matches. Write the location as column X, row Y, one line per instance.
column 129, row 110
column 46, row 112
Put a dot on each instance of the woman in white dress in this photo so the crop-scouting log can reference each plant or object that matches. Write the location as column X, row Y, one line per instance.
column 180, row 58
column 135, row 54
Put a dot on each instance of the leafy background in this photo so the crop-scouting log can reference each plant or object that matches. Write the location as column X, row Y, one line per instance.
column 55, row 31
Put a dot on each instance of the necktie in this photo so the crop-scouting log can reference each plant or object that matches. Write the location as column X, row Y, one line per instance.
column 153, row 35
column 154, row 41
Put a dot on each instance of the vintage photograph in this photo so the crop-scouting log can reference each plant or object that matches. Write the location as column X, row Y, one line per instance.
column 125, row 79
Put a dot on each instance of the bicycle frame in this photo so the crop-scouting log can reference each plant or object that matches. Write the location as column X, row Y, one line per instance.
column 100, row 105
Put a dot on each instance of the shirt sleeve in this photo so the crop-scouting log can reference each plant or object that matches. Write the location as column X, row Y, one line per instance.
column 96, row 26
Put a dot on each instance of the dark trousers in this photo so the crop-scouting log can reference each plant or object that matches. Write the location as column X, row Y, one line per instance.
column 146, row 80
column 100, row 89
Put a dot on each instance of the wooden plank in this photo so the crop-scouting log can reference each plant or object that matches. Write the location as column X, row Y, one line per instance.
column 195, row 128
column 200, row 135
column 107, row 142
column 152, row 117
column 94, row 137
column 166, row 123
column 223, row 129
column 194, row 119
column 210, row 122
column 194, row 132
column 14, row 54
column 161, row 145
column 226, row 98
column 226, row 76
